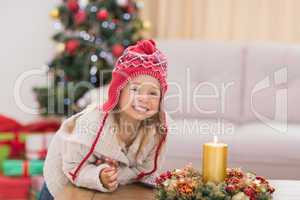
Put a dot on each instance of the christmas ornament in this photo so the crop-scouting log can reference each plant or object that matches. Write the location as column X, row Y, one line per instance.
column 102, row 14
column 93, row 70
column 109, row 59
column 146, row 25
column 83, row 3
column 122, row 3
column 80, row 17
column 67, row 101
column 117, row 50
column 126, row 16
column 105, row 24
column 73, row 5
column 94, row 58
column 57, row 25
column 130, row 8
column 60, row 47
column 72, row 46
column 54, row 13
column 93, row 9
column 93, row 79
column 112, row 25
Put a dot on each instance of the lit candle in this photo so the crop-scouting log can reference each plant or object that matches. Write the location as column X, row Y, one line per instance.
column 214, row 163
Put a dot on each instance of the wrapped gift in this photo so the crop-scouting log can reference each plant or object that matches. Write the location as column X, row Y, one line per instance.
column 9, row 124
column 23, row 167
column 13, row 135
column 14, row 188
column 42, row 126
column 39, row 135
column 12, row 146
column 36, row 145
column 11, row 140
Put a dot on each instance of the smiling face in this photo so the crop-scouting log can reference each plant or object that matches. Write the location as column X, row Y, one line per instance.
column 140, row 98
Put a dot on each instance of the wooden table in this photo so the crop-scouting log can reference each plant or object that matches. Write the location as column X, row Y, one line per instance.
column 285, row 190
column 128, row 192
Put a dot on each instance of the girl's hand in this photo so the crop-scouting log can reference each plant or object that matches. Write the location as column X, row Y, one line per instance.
column 111, row 162
column 108, row 177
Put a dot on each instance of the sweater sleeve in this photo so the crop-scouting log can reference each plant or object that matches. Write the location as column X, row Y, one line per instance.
column 89, row 174
column 74, row 151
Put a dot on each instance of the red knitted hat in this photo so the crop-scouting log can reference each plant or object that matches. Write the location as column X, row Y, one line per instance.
column 140, row 59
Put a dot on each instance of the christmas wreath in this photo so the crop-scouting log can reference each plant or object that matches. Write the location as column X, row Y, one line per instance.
column 187, row 184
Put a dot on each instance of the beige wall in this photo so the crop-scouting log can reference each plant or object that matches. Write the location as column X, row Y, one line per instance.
column 25, row 44
column 243, row 20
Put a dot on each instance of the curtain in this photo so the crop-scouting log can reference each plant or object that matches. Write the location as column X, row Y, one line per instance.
column 242, row 20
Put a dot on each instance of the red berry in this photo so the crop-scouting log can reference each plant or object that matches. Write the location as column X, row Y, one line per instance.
column 166, row 175
column 261, row 179
column 230, row 188
column 102, row 14
column 158, row 181
column 233, row 180
column 249, row 191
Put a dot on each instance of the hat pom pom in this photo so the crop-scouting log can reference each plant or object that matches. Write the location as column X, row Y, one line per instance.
column 145, row 47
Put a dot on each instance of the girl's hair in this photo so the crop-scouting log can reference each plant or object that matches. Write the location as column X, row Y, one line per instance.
column 154, row 123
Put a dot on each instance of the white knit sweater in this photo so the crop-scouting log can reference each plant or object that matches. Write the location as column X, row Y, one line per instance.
column 72, row 142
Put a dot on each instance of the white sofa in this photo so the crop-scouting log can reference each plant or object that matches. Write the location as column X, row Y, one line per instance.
column 211, row 87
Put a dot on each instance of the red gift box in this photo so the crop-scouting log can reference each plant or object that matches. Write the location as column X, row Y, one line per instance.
column 14, row 188
column 12, row 126
column 17, row 147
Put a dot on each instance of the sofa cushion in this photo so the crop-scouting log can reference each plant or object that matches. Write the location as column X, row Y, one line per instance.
column 204, row 79
column 272, row 77
column 293, row 87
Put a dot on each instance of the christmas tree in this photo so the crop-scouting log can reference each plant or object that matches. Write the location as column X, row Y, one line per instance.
column 92, row 35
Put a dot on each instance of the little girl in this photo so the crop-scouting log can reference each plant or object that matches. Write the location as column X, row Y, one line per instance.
column 121, row 142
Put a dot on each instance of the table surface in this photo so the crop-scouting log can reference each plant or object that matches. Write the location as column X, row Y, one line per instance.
column 285, row 190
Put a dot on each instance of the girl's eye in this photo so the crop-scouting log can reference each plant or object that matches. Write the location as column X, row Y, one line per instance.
column 133, row 89
column 153, row 93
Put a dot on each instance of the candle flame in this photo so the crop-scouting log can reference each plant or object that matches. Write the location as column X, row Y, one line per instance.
column 215, row 139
